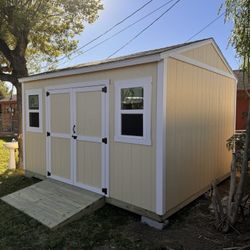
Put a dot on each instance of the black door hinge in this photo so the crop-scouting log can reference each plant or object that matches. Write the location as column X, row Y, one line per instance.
column 48, row 133
column 47, row 93
column 48, row 173
column 105, row 140
column 105, row 190
column 104, row 89
column 74, row 137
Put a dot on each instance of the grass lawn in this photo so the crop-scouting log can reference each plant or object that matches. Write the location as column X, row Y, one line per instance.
column 110, row 227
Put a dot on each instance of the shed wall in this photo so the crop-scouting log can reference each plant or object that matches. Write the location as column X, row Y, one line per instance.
column 200, row 118
column 132, row 167
column 207, row 54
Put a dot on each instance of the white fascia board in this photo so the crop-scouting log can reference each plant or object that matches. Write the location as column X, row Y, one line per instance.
column 95, row 68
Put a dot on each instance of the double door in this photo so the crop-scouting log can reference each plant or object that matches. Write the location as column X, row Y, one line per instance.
column 76, row 136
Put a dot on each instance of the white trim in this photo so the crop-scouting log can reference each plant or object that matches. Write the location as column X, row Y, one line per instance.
column 58, row 178
column 95, row 67
column 106, row 112
column 23, row 128
column 48, row 138
column 89, row 138
column 235, row 105
column 146, row 84
column 161, row 138
column 38, row 92
column 202, row 65
column 89, row 188
column 96, row 83
column 61, row 135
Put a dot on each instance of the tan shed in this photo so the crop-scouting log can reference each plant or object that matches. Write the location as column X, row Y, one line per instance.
column 147, row 131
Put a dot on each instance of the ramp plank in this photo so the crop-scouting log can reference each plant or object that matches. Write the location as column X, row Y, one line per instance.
column 53, row 203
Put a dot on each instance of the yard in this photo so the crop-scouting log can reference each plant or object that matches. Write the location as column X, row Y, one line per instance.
column 110, row 227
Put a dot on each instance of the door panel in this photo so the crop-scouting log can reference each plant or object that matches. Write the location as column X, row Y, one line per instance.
column 60, row 157
column 89, row 113
column 60, row 128
column 89, row 122
column 89, row 163
column 60, row 113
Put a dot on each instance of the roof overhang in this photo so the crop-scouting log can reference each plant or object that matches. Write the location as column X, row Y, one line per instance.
column 142, row 59
column 94, row 68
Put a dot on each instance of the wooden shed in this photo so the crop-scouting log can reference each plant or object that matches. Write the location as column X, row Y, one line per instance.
column 147, row 131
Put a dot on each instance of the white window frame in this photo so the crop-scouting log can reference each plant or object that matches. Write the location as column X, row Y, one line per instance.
column 39, row 110
column 146, row 84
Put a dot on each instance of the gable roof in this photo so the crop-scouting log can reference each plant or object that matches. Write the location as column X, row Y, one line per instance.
column 118, row 62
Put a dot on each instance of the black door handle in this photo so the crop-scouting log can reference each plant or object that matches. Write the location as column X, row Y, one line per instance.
column 74, row 129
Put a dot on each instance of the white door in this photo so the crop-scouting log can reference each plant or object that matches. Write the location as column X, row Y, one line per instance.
column 77, row 142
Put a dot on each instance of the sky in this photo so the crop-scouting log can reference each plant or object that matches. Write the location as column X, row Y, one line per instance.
column 177, row 26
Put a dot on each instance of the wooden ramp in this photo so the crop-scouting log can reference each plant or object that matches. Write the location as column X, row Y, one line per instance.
column 54, row 203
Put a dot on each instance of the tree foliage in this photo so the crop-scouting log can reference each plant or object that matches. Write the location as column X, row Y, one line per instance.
column 42, row 29
column 238, row 11
column 33, row 32
column 4, row 90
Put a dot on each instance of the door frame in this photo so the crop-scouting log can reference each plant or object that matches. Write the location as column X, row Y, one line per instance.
column 97, row 85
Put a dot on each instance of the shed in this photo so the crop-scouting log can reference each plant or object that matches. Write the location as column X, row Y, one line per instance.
column 147, row 131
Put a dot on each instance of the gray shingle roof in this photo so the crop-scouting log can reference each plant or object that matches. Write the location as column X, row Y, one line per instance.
column 121, row 58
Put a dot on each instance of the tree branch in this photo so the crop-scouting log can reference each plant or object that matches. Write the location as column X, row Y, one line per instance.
column 7, row 78
column 5, row 50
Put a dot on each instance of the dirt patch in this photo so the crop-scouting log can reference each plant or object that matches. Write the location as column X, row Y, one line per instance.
column 114, row 228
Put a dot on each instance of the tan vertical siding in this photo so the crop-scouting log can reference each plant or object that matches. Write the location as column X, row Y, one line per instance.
column 35, row 153
column 60, row 113
column 60, row 157
column 208, row 55
column 200, row 118
column 89, row 165
column 89, row 113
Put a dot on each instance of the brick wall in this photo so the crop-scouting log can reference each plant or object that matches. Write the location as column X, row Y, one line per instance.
column 8, row 119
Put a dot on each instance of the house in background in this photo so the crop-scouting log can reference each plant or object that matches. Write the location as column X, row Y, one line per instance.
column 242, row 101
column 8, row 116
column 147, row 131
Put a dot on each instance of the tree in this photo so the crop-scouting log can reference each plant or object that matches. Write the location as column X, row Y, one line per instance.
column 4, row 91
column 39, row 29
column 237, row 11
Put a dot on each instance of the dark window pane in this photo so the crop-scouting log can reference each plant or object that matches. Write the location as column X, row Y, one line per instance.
column 33, row 102
column 34, row 120
column 132, row 124
column 132, row 98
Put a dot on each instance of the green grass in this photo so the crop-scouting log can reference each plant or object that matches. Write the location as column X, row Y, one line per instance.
column 4, row 154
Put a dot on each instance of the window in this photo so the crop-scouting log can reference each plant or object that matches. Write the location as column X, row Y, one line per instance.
column 133, row 111
column 34, row 110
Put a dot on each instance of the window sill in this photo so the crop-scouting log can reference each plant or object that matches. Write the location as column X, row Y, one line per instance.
column 34, row 130
column 133, row 140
